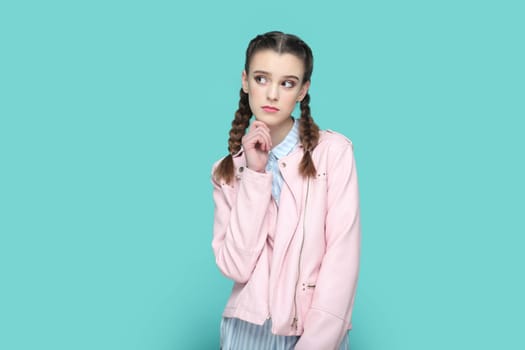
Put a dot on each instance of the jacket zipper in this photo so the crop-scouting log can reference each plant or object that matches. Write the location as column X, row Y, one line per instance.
column 269, row 316
column 294, row 321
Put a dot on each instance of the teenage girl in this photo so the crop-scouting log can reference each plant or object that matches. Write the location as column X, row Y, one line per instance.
column 286, row 225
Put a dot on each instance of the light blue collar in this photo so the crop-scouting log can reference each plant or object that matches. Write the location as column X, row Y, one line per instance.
column 287, row 145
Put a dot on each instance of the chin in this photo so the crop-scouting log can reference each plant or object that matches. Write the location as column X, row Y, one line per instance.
column 271, row 120
column 268, row 121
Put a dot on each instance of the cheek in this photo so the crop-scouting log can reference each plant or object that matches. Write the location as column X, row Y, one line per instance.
column 255, row 99
column 250, row 101
column 291, row 99
column 255, row 91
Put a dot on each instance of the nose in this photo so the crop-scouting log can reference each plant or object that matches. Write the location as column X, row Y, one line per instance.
column 273, row 92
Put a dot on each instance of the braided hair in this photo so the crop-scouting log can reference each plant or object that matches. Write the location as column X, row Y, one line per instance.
column 308, row 130
column 309, row 136
column 240, row 123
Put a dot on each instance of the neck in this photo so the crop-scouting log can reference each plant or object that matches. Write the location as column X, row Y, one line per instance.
column 278, row 133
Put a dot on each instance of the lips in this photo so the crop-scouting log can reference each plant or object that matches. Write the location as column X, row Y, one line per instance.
column 270, row 109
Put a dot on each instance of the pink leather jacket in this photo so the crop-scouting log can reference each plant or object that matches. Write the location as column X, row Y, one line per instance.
column 297, row 263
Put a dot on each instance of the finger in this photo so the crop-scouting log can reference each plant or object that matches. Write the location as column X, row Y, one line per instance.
column 256, row 124
column 268, row 139
column 260, row 130
column 253, row 139
column 265, row 135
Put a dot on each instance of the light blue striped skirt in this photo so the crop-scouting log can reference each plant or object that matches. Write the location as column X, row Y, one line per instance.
column 237, row 334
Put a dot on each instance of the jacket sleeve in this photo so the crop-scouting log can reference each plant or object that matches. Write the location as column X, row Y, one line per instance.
column 239, row 228
column 329, row 316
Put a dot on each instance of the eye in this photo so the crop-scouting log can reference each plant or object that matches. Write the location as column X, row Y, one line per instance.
column 260, row 79
column 289, row 84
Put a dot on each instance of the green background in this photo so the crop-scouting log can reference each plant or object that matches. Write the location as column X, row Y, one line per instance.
column 112, row 113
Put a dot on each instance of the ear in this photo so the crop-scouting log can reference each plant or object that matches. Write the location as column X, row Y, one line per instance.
column 303, row 91
column 244, row 80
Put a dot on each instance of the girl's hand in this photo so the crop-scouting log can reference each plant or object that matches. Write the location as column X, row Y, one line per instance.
column 257, row 143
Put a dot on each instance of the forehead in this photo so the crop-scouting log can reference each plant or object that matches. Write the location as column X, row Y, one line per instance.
column 277, row 64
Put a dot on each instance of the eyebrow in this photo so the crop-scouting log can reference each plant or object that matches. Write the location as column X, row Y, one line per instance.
column 268, row 73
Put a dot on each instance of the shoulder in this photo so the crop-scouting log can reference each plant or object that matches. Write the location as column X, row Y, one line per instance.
column 238, row 159
column 334, row 154
column 239, row 163
column 329, row 138
column 215, row 165
column 332, row 148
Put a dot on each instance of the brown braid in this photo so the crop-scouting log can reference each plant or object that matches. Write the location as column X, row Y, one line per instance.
column 309, row 136
column 225, row 170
